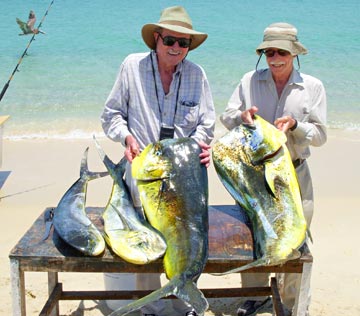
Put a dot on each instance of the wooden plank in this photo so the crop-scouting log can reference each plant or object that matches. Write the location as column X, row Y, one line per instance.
column 230, row 246
column 53, row 281
column 17, row 288
column 278, row 306
column 136, row 294
column 52, row 301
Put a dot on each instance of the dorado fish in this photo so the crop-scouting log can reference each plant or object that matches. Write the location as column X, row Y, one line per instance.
column 70, row 220
column 130, row 237
column 174, row 192
column 254, row 164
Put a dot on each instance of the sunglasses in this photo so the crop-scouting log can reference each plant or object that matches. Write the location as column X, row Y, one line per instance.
column 271, row 52
column 171, row 40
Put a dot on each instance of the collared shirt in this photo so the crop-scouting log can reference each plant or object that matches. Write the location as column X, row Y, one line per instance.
column 138, row 106
column 303, row 98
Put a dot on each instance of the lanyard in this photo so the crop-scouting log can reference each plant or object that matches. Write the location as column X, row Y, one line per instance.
column 156, row 91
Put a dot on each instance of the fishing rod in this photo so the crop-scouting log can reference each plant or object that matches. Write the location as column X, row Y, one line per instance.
column 24, row 53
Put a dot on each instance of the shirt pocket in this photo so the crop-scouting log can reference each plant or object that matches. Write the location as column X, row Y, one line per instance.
column 187, row 114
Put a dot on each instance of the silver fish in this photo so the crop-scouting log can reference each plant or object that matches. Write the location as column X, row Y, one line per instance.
column 70, row 220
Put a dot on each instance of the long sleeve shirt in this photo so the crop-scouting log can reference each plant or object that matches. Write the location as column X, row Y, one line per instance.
column 137, row 104
column 303, row 98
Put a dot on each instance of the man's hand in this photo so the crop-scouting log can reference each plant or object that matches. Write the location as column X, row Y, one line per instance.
column 132, row 148
column 285, row 123
column 248, row 115
column 205, row 154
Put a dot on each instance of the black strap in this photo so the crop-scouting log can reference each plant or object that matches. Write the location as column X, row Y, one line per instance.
column 156, row 90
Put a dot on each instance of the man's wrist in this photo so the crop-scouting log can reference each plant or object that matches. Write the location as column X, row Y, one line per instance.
column 294, row 126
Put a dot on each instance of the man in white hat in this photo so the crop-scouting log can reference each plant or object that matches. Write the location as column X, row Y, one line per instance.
column 296, row 104
column 161, row 95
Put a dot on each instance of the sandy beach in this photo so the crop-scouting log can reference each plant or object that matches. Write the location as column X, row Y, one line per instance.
column 36, row 173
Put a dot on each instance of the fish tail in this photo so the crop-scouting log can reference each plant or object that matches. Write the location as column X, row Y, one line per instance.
column 256, row 263
column 119, row 168
column 85, row 172
column 193, row 296
column 186, row 290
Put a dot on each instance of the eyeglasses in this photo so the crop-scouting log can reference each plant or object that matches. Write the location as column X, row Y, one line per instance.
column 171, row 40
column 271, row 52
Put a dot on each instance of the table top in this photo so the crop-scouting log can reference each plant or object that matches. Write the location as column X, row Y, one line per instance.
column 230, row 245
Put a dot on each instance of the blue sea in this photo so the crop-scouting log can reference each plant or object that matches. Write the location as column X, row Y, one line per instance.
column 67, row 74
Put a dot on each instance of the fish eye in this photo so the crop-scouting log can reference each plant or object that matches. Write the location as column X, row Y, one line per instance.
column 157, row 150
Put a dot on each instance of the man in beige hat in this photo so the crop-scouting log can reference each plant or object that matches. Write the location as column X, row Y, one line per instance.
column 296, row 104
column 160, row 95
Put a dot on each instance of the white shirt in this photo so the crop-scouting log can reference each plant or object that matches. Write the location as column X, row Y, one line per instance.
column 303, row 98
column 133, row 106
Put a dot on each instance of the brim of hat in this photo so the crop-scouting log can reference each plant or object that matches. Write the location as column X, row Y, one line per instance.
column 147, row 32
column 295, row 48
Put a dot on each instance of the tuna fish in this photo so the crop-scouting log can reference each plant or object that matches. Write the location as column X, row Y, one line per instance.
column 173, row 189
column 255, row 166
column 129, row 236
column 70, row 220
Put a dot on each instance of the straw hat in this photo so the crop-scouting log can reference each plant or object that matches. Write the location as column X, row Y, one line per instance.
column 282, row 36
column 174, row 19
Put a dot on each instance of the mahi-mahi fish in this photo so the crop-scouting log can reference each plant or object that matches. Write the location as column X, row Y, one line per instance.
column 254, row 164
column 128, row 235
column 70, row 219
column 173, row 188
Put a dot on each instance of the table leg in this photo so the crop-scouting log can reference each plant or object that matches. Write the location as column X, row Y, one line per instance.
column 17, row 288
column 52, row 282
column 302, row 300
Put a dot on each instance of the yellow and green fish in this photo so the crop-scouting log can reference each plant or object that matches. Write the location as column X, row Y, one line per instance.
column 254, row 164
column 128, row 235
column 173, row 187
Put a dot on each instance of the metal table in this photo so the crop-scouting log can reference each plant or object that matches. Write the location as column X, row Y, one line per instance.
column 230, row 246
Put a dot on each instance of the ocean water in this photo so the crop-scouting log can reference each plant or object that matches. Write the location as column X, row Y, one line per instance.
column 67, row 74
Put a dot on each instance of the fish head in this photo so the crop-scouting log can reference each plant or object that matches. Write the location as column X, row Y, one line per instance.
column 151, row 164
column 261, row 140
column 162, row 159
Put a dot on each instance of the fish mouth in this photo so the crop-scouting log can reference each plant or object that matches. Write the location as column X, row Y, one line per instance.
column 271, row 155
column 267, row 157
column 149, row 180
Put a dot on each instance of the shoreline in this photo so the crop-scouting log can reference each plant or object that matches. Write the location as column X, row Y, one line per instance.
column 38, row 172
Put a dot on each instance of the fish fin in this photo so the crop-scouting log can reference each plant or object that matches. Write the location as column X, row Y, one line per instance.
column 267, row 226
column 116, row 171
column 295, row 253
column 166, row 290
column 308, row 232
column 183, row 289
column 257, row 263
column 270, row 178
column 85, row 170
column 193, row 296
column 107, row 161
column 106, row 238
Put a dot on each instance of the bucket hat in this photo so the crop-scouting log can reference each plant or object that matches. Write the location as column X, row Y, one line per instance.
column 174, row 19
column 282, row 36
